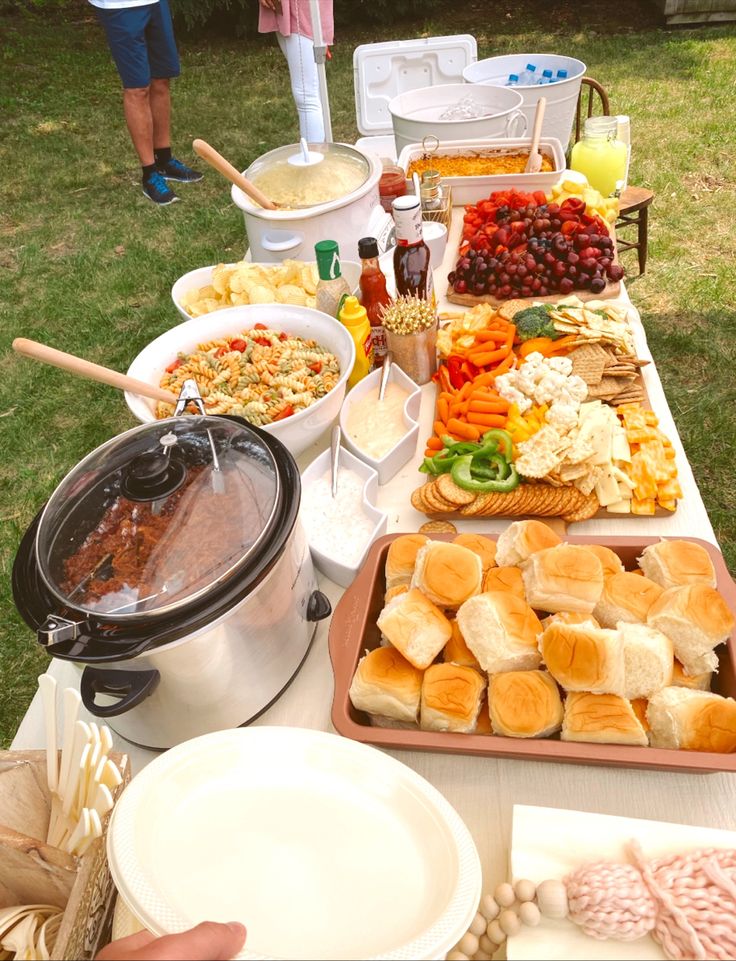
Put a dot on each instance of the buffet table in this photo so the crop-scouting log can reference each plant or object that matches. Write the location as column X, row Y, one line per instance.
column 484, row 790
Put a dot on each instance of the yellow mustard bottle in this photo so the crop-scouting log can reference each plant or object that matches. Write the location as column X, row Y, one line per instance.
column 355, row 317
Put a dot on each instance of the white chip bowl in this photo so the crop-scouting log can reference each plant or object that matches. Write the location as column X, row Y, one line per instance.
column 202, row 277
column 338, row 571
column 323, row 847
column 296, row 432
column 405, row 448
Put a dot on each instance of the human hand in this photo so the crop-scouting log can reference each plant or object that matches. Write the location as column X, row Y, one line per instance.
column 274, row 5
column 207, row 942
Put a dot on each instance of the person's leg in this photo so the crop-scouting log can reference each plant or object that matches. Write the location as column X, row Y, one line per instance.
column 299, row 53
column 163, row 59
column 137, row 109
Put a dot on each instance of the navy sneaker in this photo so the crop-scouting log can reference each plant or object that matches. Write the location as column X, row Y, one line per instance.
column 175, row 170
column 157, row 190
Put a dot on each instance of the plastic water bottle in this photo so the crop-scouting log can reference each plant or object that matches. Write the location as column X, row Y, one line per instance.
column 561, row 75
column 546, row 77
column 513, row 80
column 528, row 77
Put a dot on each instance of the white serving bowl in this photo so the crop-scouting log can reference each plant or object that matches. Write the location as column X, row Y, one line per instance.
column 296, row 432
column 202, row 277
column 404, row 449
column 339, row 572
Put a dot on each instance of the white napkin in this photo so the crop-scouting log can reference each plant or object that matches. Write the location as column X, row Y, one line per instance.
column 549, row 843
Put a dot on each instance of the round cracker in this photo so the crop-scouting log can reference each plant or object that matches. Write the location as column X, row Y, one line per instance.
column 438, row 527
column 451, row 492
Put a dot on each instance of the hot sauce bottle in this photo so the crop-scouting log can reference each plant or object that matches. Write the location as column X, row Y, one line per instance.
column 411, row 256
column 373, row 295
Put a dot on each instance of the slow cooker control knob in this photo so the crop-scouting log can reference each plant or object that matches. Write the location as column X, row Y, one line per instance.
column 152, row 476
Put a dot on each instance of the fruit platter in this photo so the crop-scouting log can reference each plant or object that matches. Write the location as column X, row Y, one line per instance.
column 541, row 411
column 537, row 245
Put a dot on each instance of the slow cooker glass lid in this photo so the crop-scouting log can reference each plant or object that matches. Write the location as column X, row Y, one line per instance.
column 342, row 171
column 158, row 516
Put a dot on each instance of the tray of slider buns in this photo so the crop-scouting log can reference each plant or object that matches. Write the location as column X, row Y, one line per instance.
column 525, row 645
column 542, row 411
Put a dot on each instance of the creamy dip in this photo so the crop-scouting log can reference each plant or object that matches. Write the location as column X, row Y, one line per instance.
column 376, row 426
column 337, row 526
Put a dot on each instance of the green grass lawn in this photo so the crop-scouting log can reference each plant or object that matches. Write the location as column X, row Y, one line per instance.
column 86, row 262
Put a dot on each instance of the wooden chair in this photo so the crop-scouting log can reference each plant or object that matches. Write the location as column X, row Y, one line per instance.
column 634, row 201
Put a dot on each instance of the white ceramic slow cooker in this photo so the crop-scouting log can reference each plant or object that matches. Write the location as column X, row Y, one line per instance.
column 314, row 212
column 171, row 566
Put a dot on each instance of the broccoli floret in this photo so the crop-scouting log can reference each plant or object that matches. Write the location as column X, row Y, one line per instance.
column 534, row 322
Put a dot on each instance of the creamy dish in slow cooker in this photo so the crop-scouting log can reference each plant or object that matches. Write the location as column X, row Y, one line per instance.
column 289, row 186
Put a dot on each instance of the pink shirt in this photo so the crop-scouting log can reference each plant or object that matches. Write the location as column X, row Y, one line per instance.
column 296, row 17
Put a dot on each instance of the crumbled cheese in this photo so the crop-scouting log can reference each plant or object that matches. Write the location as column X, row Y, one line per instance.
column 337, row 526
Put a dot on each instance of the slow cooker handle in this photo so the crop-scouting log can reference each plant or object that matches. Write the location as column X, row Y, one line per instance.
column 132, row 687
column 318, row 607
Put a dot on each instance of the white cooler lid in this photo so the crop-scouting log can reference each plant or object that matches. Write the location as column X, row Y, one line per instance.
column 381, row 71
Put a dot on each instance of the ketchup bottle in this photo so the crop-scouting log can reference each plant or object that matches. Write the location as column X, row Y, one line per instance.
column 373, row 295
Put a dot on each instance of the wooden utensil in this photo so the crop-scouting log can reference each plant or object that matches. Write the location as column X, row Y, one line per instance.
column 216, row 160
column 47, row 686
column 534, row 163
column 85, row 368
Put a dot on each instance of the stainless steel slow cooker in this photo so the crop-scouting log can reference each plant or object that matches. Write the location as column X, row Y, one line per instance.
column 171, row 566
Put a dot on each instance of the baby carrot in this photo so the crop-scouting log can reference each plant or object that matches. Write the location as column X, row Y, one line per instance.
column 486, row 357
column 466, row 431
column 443, row 409
column 505, row 365
column 497, row 336
column 440, row 428
column 484, row 380
column 464, row 392
column 487, row 407
column 434, row 444
column 487, row 420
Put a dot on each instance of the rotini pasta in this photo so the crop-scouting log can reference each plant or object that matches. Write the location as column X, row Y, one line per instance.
column 261, row 375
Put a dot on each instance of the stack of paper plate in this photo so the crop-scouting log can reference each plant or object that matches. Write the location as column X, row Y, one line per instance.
column 322, row 847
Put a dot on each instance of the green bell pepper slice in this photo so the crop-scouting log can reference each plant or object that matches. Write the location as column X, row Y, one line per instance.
column 502, row 438
column 461, row 474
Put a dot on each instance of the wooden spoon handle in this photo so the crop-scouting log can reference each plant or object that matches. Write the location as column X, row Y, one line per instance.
column 85, row 368
column 216, row 160
column 538, row 119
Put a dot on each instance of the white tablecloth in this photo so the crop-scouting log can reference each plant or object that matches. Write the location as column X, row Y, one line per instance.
column 483, row 790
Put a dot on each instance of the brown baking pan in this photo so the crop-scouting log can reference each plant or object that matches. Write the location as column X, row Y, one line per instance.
column 353, row 631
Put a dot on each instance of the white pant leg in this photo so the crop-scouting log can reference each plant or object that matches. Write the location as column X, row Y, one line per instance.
column 299, row 53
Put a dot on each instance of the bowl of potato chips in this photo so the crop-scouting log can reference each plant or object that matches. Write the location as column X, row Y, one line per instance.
column 213, row 288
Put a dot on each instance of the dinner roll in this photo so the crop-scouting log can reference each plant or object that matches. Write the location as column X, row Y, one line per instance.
column 385, row 683
column 504, row 579
column 639, row 707
column 401, row 557
column 414, row 625
column 456, row 651
column 698, row 682
column 692, row 720
column 483, row 724
column 377, row 720
column 393, row 592
column 447, row 574
column 521, row 539
column 569, row 617
column 525, row 704
column 626, row 597
column 601, row 718
column 451, row 698
column 483, row 546
column 696, row 618
column 648, row 660
column 563, row 578
column 584, row 658
column 673, row 563
column 501, row 630
column 610, row 561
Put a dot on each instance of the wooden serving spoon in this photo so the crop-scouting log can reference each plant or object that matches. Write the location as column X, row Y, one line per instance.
column 216, row 160
column 534, row 163
column 85, row 368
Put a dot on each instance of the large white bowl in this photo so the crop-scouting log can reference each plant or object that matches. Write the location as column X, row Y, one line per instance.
column 202, row 277
column 296, row 432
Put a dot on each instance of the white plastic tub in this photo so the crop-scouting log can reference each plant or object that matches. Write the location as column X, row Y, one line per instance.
column 469, row 190
column 562, row 95
column 415, row 114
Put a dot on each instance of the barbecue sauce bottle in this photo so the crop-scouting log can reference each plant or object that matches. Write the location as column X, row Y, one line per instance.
column 411, row 256
column 373, row 295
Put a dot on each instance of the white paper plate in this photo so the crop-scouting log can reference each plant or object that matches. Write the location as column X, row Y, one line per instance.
column 550, row 843
column 321, row 846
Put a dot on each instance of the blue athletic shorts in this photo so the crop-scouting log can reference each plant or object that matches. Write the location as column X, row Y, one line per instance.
column 142, row 42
